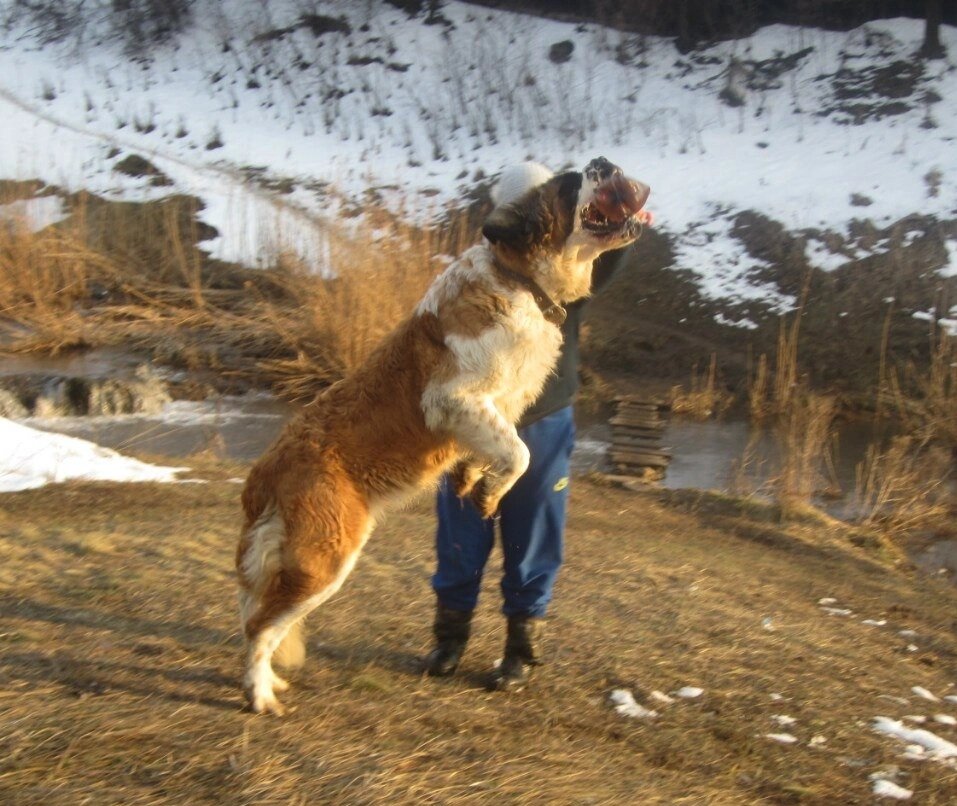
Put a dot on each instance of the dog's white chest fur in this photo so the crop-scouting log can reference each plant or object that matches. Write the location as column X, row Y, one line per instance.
column 505, row 364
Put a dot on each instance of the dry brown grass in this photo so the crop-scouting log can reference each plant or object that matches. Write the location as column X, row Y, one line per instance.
column 120, row 663
column 804, row 432
column 899, row 487
column 133, row 274
column 704, row 397
column 377, row 284
column 801, row 419
column 904, row 485
column 925, row 399
column 771, row 391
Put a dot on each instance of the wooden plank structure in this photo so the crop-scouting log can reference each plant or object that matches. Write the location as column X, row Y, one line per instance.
column 637, row 430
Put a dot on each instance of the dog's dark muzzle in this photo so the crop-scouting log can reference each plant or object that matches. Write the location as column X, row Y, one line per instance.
column 600, row 170
column 615, row 202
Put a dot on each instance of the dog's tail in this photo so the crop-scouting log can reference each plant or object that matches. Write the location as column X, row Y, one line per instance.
column 259, row 564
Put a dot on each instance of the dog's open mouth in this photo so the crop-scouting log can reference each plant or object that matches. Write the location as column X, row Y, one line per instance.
column 614, row 206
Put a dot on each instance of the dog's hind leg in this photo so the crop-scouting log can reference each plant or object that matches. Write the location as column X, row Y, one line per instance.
column 309, row 577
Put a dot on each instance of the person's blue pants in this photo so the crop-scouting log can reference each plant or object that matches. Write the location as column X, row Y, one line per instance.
column 532, row 524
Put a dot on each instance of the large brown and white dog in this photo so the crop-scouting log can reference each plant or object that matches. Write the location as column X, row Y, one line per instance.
column 446, row 388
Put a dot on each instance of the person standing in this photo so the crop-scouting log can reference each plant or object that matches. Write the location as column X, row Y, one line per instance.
column 531, row 516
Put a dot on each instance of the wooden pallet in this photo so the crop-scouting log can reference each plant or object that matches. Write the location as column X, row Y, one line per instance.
column 637, row 430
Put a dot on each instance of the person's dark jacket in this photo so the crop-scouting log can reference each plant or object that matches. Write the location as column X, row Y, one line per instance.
column 562, row 385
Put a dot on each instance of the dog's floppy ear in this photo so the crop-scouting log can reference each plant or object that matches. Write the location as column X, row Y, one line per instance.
column 543, row 218
column 515, row 226
column 569, row 186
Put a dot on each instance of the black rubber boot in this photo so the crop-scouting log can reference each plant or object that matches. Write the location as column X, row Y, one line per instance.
column 523, row 651
column 451, row 629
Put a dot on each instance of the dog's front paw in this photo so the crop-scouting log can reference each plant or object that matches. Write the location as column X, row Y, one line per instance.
column 486, row 499
column 464, row 476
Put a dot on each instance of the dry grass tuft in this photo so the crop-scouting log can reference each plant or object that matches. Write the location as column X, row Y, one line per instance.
column 926, row 400
column 376, row 285
column 801, row 419
column 903, row 486
column 771, row 392
column 704, row 398
column 804, row 432
column 134, row 274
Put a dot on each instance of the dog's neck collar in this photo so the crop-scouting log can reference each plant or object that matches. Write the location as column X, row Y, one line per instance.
column 551, row 310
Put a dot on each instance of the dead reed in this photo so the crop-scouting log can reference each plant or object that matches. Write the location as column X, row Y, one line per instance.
column 924, row 398
column 704, row 398
column 801, row 419
column 135, row 274
column 903, row 485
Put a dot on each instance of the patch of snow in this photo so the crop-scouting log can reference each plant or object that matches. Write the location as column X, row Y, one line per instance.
column 625, row 704
column 820, row 256
column 915, row 752
column 724, row 268
column 918, row 718
column 782, row 738
column 951, row 698
column 744, row 322
column 33, row 214
column 945, row 719
column 32, row 458
column 837, row 611
column 923, row 693
column 950, row 269
column 827, row 600
column 784, row 720
column 908, row 633
column 888, row 789
column 689, row 692
column 933, row 746
column 874, row 622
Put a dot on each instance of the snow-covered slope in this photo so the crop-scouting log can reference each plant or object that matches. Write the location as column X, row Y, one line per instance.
column 815, row 129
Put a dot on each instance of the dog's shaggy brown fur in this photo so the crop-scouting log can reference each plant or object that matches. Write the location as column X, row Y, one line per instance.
column 446, row 387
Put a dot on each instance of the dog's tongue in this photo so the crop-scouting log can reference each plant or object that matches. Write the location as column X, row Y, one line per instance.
column 619, row 198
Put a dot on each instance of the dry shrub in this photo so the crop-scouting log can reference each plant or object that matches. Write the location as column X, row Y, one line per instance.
column 42, row 278
column 377, row 282
column 804, row 432
column 704, row 398
column 902, row 486
column 132, row 274
column 143, row 255
column 770, row 393
column 906, row 484
column 925, row 400
column 802, row 422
